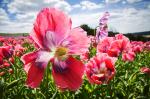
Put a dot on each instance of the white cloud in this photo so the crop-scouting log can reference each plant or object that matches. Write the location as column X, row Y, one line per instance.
column 76, row 6
column 122, row 20
column 129, row 11
column 21, row 6
column 3, row 14
column 112, row 1
column 89, row 5
column 91, row 19
column 133, row 1
column 131, row 20
column 26, row 11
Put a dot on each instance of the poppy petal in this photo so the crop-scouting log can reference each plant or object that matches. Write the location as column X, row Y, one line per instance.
column 35, row 64
column 49, row 20
column 35, row 74
column 71, row 77
column 78, row 45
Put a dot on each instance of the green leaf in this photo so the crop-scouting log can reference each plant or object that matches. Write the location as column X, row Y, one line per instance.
column 132, row 77
column 2, row 87
column 146, row 90
column 13, row 84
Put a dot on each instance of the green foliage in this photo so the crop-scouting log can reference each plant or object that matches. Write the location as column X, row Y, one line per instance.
column 128, row 83
column 14, row 34
column 88, row 29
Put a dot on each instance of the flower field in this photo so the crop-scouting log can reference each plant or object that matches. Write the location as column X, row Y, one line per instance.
column 60, row 62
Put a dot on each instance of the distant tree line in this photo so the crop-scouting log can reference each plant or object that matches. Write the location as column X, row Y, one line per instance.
column 131, row 36
column 14, row 34
column 90, row 31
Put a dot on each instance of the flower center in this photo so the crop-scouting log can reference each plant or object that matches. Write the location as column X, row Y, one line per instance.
column 103, row 69
column 61, row 52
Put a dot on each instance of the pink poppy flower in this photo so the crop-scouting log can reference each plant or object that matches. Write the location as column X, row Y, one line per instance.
column 137, row 46
column 100, row 69
column 6, row 64
column 2, row 39
column 128, row 56
column 10, row 71
column 137, row 49
column 124, row 42
column 119, row 45
column 2, row 73
column 145, row 70
column 102, row 30
column 18, row 47
column 1, row 60
column 18, row 50
column 93, row 41
column 11, row 59
column 115, row 48
column 147, row 45
column 6, row 51
column 85, row 56
column 104, row 44
column 57, row 42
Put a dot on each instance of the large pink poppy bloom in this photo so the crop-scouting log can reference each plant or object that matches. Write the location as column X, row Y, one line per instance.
column 100, row 69
column 57, row 42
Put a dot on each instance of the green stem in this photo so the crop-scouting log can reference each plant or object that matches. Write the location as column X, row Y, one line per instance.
column 54, row 95
column 47, row 72
column 97, row 88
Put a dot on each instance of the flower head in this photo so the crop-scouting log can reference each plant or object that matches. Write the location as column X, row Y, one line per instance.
column 100, row 69
column 145, row 70
column 6, row 51
column 57, row 42
column 102, row 30
column 137, row 46
column 128, row 56
column 114, row 46
column 1, row 60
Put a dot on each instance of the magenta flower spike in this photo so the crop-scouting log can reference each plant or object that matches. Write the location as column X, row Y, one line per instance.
column 102, row 30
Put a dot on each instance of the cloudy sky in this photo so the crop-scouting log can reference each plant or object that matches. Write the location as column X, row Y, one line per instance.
column 126, row 15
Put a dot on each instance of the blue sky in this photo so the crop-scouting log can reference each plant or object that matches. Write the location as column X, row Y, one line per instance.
column 125, row 15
